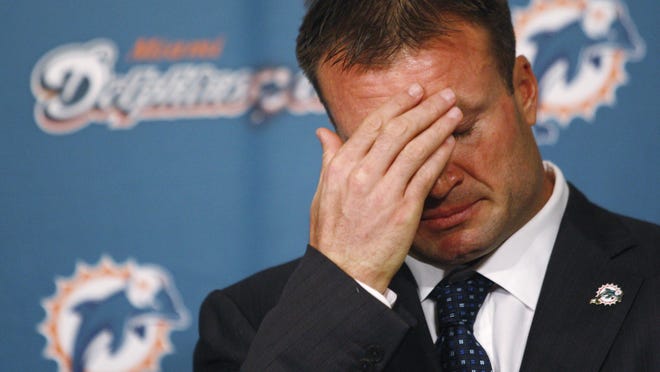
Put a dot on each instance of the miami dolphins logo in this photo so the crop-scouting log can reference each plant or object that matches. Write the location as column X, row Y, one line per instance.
column 578, row 50
column 608, row 295
column 112, row 317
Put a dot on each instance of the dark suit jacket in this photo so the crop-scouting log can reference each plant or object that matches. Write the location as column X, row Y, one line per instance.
column 308, row 315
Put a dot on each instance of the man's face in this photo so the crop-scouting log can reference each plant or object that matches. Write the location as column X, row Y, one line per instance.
column 494, row 181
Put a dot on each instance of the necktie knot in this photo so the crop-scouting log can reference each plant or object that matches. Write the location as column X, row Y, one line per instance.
column 458, row 302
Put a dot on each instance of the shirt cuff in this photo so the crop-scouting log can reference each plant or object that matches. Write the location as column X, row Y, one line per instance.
column 388, row 298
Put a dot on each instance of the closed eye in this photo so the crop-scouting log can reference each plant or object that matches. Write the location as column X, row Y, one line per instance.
column 465, row 128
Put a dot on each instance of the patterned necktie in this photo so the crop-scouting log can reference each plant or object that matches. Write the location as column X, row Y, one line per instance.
column 457, row 304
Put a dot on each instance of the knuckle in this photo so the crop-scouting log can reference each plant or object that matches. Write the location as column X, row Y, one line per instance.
column 404, row 122
column 438, row 110
column 373, row 122
column 357, row 180
column 395, row 129
column 334, row 169
column 402, row 101
column 413, row 151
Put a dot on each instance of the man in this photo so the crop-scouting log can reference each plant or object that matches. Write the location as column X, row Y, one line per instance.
column 433, row 187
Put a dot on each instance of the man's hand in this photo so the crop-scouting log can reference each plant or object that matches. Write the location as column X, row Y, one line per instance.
column 371, row 191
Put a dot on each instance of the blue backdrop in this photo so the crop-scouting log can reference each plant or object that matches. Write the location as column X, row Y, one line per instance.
column 152, row 151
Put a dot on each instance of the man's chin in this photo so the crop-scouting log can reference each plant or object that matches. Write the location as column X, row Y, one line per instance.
column 449, row 248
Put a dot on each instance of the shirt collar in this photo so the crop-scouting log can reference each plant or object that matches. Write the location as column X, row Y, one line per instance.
column 518, row 265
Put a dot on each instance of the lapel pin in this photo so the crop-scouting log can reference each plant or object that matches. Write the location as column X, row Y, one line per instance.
column 607, row 294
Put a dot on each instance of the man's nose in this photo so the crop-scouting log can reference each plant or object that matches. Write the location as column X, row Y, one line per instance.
column 449, row 178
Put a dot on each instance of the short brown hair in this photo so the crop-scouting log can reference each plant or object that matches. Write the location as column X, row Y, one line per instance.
column 370, row 33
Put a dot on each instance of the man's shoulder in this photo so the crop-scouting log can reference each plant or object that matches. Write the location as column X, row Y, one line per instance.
column 614, row 231
column 592, row 214
column 271, row 279
column 257, row 294
column 646, row 239
column 647, row 231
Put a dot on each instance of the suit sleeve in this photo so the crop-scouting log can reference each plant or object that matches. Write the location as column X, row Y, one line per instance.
column 323, row 321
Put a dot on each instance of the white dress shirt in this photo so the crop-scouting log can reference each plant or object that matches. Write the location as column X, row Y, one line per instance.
column 517, row 268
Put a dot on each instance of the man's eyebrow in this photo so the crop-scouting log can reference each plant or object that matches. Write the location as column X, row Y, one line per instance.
column 470, row 108
column 468, row 104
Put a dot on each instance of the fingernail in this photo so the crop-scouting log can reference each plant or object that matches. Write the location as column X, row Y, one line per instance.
column 448, row 95
column 415, row 90
column 455, row 113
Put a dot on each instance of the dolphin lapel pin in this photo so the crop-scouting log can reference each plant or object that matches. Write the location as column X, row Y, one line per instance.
column 607, row 294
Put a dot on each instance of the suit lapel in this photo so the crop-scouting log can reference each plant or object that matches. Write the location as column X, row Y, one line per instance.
column 417, row 346
column 568, row 332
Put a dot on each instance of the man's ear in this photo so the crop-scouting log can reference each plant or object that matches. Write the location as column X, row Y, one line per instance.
column 525, row 90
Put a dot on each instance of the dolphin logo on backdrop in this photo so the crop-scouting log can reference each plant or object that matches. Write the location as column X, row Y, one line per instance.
column 578, row 50
column 112, row 317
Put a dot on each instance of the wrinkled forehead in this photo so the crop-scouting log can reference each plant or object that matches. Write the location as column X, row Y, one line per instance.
column 461, row 62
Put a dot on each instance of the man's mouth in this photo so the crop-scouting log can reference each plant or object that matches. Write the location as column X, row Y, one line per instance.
column 443, row 216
